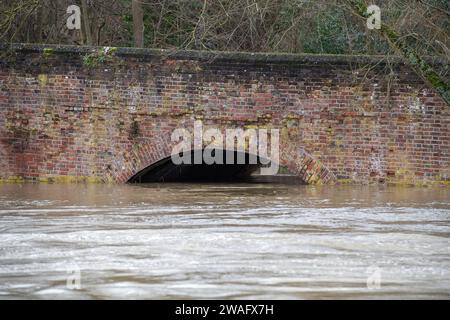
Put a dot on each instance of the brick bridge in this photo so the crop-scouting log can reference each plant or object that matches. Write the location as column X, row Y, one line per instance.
column 95, row 114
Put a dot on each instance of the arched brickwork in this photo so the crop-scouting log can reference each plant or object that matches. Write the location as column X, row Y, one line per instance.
column 308, row 168
column 297, row 160
column 147, row 153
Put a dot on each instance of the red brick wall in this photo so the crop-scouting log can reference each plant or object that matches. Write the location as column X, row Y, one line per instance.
column 341, row 118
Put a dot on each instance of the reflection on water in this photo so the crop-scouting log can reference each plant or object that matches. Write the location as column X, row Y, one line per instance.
column 223, row 241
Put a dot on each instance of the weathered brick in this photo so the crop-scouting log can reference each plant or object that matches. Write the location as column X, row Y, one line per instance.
column 59, row 118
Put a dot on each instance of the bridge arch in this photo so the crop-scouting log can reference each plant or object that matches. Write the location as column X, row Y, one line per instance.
column 155, row 154
column 199, row 171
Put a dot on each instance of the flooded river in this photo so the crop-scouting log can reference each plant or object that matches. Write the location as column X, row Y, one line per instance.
column 249, row 241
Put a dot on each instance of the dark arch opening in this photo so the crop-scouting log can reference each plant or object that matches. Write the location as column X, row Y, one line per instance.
column 166, row 171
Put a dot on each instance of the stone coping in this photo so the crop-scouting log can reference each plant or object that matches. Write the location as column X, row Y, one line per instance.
column 209, row 56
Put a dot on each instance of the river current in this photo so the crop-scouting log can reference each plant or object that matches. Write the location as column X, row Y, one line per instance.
column 223, row 241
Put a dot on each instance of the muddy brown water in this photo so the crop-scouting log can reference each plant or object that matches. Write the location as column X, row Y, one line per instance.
column 250, row 241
